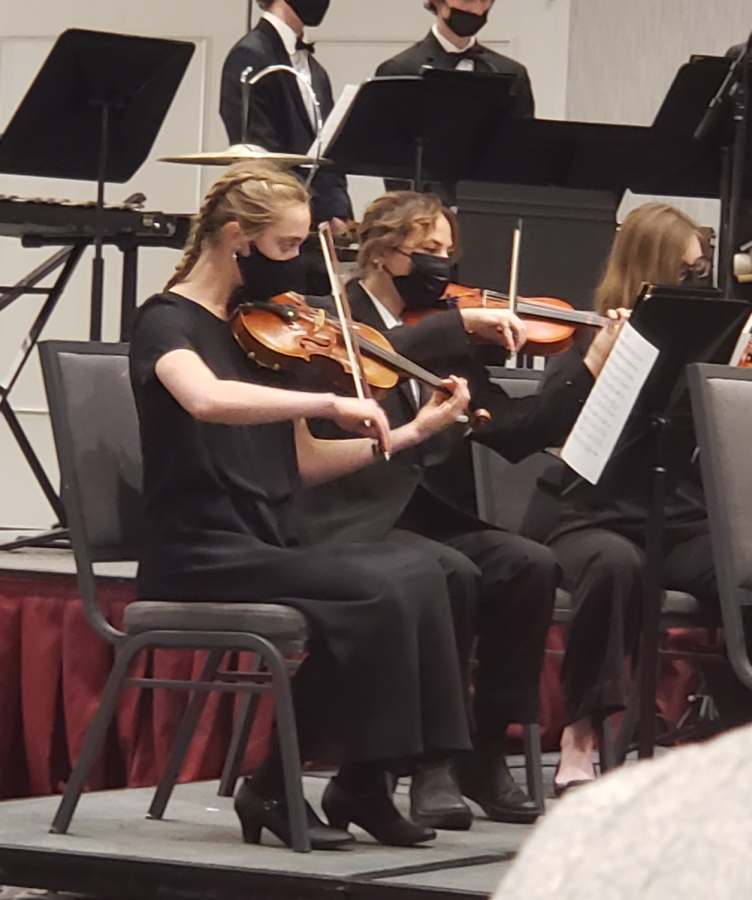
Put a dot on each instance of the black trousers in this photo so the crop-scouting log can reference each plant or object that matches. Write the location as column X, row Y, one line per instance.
column 502, row 588
column 604, row 569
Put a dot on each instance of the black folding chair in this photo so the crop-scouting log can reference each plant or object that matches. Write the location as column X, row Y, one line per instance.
column 97, row 438
column 722, row 410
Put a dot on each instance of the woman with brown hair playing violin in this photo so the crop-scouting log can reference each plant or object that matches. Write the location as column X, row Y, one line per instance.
column 225, row 447
column 425, row 497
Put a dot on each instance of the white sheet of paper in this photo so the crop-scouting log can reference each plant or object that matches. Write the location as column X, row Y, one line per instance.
column 335, row 118
column 604, row 415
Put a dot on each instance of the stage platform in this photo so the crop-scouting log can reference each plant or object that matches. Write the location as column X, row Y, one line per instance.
column 53, row 562
column 113, row 852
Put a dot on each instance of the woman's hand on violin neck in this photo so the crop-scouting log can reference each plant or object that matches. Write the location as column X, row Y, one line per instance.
column 603, row 342
column 362, row 417
column 499, row 326
column 444, row 408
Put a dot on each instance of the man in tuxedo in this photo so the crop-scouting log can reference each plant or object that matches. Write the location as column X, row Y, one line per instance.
column 282, row 116
column 452, row 43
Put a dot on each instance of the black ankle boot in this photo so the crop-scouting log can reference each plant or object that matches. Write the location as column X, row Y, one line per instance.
column 375, row 813
column 485, row 778
column 256, row 813
column 436, row 799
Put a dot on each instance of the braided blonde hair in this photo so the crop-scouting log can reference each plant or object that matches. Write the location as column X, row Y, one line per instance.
column 253, row 194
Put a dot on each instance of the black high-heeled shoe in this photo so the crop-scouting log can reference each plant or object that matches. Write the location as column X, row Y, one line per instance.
column 256, row 813
column 562, row 787
column 374, row 813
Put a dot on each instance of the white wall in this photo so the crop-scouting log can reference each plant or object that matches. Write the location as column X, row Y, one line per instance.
column 27, row 31
column 623, row 55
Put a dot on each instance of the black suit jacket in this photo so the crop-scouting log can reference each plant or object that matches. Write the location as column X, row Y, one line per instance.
column 278, row 116
column 430, row 488
column 429, row 52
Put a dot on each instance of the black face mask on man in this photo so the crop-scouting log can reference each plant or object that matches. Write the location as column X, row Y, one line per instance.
column 310, row 12
column 426, row 281
column 264, row 278
column 465, row 24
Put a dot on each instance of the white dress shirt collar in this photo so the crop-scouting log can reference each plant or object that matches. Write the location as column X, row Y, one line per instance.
column 448, row 46
column 300, row 62
column 391, row 321
column 387, row 317
column 289, row 38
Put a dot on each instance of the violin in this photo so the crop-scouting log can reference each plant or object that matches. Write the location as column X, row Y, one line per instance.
column 286, row 334
column 551, row 323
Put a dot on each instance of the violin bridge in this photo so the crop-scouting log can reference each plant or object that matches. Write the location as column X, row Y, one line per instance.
column 319, row 319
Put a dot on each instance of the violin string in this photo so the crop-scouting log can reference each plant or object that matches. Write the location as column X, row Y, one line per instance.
column 554, row 313
column 411, row 369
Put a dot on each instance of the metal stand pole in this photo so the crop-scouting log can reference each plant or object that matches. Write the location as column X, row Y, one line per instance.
column 68, row 258
column 97, row 271
column 418, row 183
column 648, row 663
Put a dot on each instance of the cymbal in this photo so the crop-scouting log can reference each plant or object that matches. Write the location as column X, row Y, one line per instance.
column 239, row 153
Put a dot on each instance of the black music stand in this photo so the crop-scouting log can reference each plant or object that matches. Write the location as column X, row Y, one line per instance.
column 726, row 125
column 687, row 326
column 428, row 127
column 92, row 113
column 566, row 180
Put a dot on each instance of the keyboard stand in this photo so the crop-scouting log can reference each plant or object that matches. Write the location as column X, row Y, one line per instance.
column 65, row 261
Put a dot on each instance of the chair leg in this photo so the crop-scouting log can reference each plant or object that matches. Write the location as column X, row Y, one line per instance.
column 534, row 764
column 290, row 750
column 94, row 739
column 629, row 723
column 239, row 742
column 606, row 745
column 183, row 738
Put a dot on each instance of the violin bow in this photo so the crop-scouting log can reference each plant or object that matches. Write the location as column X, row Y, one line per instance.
column 344, row 313
column 514, row 274
column 514, row 278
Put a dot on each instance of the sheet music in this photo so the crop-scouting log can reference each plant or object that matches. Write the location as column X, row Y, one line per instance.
column 335, row 119
column 604, row 415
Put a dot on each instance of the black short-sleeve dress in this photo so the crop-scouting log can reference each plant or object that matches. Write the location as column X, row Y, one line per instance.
column 382, row 678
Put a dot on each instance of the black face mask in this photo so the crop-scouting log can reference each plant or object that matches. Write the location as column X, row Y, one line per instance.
column 264, row 278
column 694, row 279
column 428, row 278
column 310, row 12
column 700, row 275
column 465, row 24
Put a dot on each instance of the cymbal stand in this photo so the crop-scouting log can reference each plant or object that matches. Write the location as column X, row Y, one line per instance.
column 248, row 80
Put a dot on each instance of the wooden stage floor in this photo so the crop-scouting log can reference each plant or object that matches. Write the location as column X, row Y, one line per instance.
column 113, row 852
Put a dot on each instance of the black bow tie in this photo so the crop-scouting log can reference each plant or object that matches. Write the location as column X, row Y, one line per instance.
column 300, row 44
column 474, row 52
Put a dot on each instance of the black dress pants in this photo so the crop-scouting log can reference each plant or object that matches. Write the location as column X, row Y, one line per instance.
column 604, row 569
column 502, row 588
